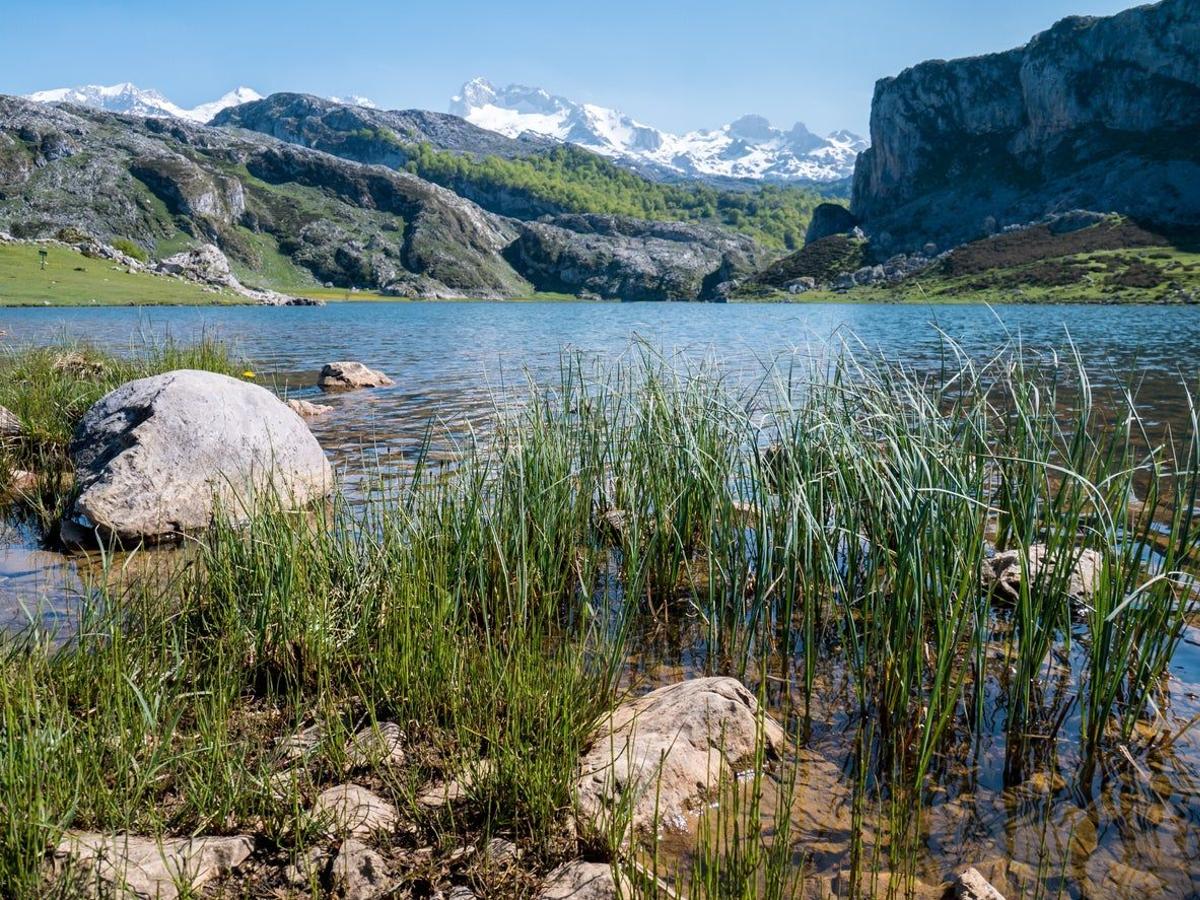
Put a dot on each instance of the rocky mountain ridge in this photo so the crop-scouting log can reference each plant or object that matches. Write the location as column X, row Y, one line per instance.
column 1096, row 113
column 748, row 148
column 267, row 202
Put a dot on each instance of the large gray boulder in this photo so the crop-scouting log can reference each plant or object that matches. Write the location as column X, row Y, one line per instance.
column 160, row 456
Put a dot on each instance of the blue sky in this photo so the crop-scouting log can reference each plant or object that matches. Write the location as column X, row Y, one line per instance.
column 677, row 65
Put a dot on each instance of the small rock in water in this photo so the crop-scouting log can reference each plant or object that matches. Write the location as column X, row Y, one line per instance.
column 358, row 872
column 973, row 886
column 350, row 809
column 21, row 482
column 1001, row 574
column 349, row 375
column 308, row 410
column 581, row 880
column 144, row 867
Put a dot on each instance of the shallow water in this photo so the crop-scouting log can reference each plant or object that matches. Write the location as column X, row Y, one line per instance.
column 1125, row 831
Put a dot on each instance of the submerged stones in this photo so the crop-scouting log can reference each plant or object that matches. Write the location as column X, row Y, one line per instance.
column 971, row 885
column 163, row 456
column 661, row 755
column 349, row 375
column 1002, row 573
column 126, row 866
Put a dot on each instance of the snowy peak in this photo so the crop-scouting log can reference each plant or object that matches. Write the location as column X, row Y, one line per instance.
column 130, row 99
column 749, row 147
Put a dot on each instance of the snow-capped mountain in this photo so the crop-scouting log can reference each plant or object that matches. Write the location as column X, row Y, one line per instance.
column 130, row 99
column 356, row 100
column 747, row 148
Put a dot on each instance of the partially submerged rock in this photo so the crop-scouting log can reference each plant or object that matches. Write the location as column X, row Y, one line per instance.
column 660, row 756
column 348, row 375
column 305, row 409
column 161, row 456
column 971, row 885
column 1002, row 573
column 127, row 866
column 352, row 810
column 580, row 880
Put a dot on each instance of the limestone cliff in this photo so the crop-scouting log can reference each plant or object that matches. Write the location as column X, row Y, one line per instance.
column 1095, row 113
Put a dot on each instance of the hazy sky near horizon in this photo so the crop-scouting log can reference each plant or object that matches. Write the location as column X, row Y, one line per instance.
column 670, row 63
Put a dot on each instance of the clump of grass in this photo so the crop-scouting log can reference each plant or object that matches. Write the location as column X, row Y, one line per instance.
column 131, row 249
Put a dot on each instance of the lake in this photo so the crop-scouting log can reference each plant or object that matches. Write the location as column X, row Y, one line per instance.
column 450, row 359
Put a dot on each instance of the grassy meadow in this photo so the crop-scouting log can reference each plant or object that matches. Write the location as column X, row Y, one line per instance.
column 72, row 279
column 822, row 537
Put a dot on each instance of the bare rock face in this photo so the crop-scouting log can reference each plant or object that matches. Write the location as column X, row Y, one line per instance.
column 349, row 375
column 1002, row 573
column 160, row 456
column 206, row 264
column 125, row 866
column 663, row 754
column 628, row 259
column 354, row 811
column 1095, row 113
column 581, row 880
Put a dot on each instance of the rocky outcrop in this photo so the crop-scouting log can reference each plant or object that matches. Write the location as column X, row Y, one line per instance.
column 829, row 219
column 162, row 456
column 206, row 264
column 661, row 756
column 1096, row 113
column 145, row 868
column 629, row 259
column 346, row 224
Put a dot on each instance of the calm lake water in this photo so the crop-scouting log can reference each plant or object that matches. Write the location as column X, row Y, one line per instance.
column 1137, row 835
